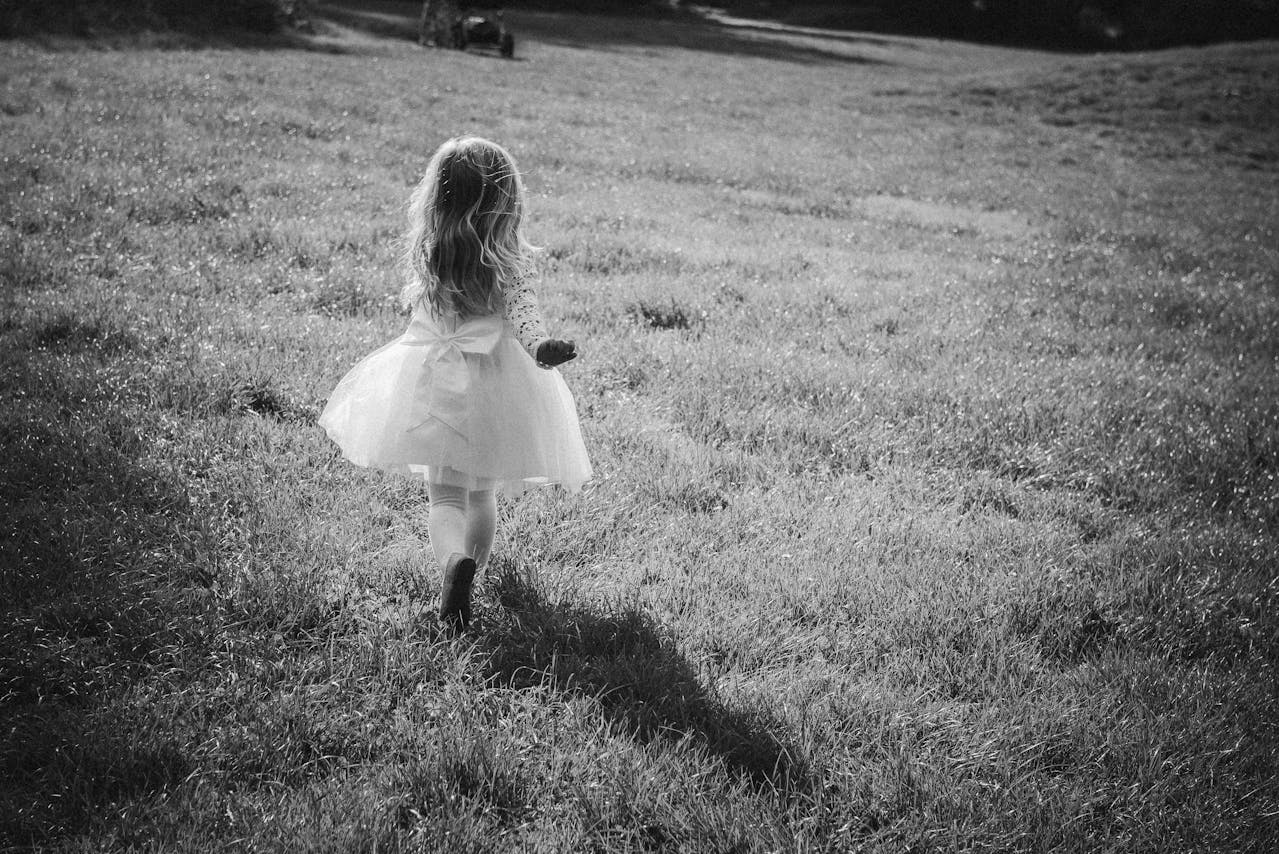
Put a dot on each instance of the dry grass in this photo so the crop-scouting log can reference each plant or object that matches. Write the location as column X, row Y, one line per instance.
column 931, row 391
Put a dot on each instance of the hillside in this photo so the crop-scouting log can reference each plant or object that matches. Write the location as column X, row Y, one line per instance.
column 930, row 386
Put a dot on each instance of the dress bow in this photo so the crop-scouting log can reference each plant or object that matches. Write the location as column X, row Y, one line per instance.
column 443, row 393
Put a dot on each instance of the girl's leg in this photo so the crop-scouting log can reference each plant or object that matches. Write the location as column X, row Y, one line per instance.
column 447, row 523
column 461, row 526
column 481, row 523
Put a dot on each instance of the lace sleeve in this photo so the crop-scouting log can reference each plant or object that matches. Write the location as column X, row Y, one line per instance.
column 524, row 314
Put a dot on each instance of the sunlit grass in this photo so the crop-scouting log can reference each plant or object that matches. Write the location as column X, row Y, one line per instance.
column 932, row 401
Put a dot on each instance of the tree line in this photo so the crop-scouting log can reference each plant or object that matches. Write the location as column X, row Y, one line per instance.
column 1097, row 23
column 85, row 17
column 1121, row 23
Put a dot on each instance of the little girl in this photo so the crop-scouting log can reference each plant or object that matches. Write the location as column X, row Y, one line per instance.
column 467, row 397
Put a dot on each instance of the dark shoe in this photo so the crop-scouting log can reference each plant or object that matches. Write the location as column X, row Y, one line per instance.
column 455, row 595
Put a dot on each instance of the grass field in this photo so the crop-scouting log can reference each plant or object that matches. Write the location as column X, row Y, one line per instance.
column 931, row 390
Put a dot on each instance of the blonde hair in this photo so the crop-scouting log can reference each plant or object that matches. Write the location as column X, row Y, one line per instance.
column 465, row 234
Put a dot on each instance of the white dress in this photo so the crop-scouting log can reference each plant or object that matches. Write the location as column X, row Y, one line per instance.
column 462, row 401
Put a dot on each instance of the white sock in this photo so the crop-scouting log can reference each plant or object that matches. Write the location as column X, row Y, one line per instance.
column 446, row 522
column 481, row 524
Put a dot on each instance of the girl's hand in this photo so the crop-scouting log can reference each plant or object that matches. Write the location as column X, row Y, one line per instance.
column 555, row 352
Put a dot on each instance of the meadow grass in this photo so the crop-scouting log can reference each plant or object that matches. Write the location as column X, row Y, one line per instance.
column 931, row 392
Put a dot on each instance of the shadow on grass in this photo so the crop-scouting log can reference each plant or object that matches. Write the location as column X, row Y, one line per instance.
column 398, row 20
column 134, row 24
column 831, row 31
column 86, row 604
column 619, row 656
column 1078, row 27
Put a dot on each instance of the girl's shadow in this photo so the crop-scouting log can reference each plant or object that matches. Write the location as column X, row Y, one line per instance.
column 619, row 656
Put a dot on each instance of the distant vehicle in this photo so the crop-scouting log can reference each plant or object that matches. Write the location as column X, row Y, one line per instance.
column 484, row 30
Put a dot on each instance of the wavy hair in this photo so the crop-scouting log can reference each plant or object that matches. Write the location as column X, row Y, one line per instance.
column 465, row 234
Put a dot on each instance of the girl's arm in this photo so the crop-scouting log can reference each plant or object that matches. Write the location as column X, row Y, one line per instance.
column 525, row 316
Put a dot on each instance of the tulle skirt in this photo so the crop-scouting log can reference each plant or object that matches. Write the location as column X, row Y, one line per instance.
column 459, row 402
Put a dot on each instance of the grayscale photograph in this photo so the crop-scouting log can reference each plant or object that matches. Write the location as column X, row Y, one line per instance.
column 751, row 427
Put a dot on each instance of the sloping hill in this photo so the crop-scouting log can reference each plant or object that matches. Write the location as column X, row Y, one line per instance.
column 931, row 389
